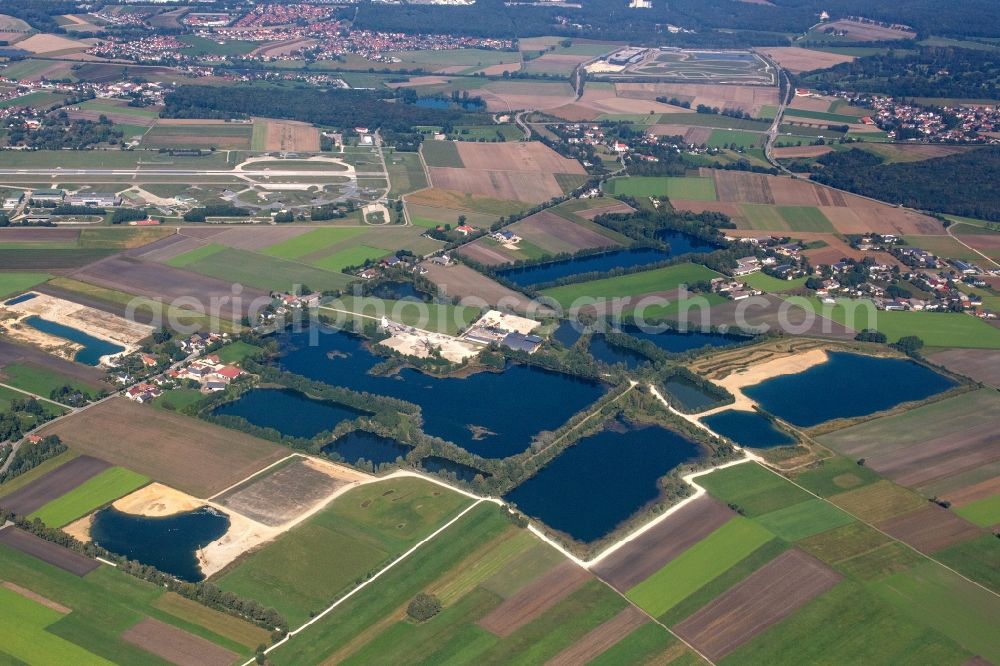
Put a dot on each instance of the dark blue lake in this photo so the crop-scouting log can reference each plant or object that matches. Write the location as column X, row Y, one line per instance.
column 395, row 291
column 687, row 395
column 607, row 353
column 555, row 270
column 603, row 479
column 748, row 429
column 20, row 299
column 288, row 411
column 675, row 342
column 492, row 414
column 847, row 385
column 363, row 445
column 170, row 543
column 93, row 348
column 567, row 334
column 680, row 243
column 437, row 464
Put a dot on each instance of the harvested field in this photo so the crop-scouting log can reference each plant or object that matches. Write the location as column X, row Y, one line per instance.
column 528, row 187
column 866, row 32
column 480, row 253
column 879, row 501
column 637, row 560
column 176, row 645
column 229, row 136
column 765, row 313
column 48, row 43
column 730, row 97
column 797, row 60
column 601, row 639
column 118, row 118
column 191, row 455
column 979, row 364
column 616, row 207
column 691, row 135
column 555, row 234
column 154, row 280
column 516, row 156
column 38, row 235
column 504, row 96
column 920, row 464
column 290, row 135
column 788, row 152
column 255, row 238
column 929, row 529
column 53, row 485
column 288, row 492
column 168, row 248
column 468, row 284
column 534, row 599
column 47, row 552
column 285, row 47
column 772, row 593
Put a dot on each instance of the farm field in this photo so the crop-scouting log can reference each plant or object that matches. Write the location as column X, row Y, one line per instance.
column 485, row 572
column 92, row 494
column 86, row 618
column 796, row 59
column 936, row 329
column 634, row 284
column 14, row 283
column 358, row 533
column 695, row 189
column 193, row 456
column 265, row 273
column 440, row 317
column 42, row 380
column 222, row 136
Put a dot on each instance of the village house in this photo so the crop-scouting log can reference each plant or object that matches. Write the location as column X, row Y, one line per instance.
column 143, row 393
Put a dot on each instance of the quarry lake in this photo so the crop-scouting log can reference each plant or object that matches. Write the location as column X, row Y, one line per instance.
column 748, row 429
column 847, row 385
column 288, row 411
column 93, row 348
column 603, row 479
column 168, row 543
column 680, row 243
column 362, row 445
column 491, row 414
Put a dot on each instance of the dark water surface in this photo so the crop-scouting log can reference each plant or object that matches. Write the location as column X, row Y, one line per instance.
column 845, row 386
column 603, row 479
column 288, row 411
column 363, row 445
column 492, row 414
column 168, row 543
column 748, row 429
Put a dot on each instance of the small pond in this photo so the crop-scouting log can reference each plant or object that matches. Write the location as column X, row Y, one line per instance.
column 749, row 429
column 363, row 445
column 610, row 354
column 169, row 543
column 437, row 464
column 288, row 411
column 20, row 299
column 688, row 395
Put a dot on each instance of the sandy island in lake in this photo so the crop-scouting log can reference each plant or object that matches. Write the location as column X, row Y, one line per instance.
column 157, row 500
column 736, row 381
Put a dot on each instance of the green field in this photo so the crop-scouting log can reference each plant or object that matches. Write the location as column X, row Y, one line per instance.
column 356, row 535
column 848, row 625
column 984, row 512
column 699, row 565
column 978, row 559
column 441, row 154
column 201, row 46
column 767, row 217
column 15, row 283
column 105, row 603
column 936, row 329
column 36, row 100
column 714, row 120
column 804, row 519
column 355, row 256
column 25, row 636
column 7, row 395
column 835, row 475
column 957, row 608
column 406, row 173
column 819, row 115
column 773, row 285
column 92, row 494
column 633, row 284
column 178, row 399
column 108, row 106
column 742, row 138
column 236, row 352
column 754, row 489
column 191, row 256
column 268, row 273
column 694, row 188
column 310, row 242
column 40, row 381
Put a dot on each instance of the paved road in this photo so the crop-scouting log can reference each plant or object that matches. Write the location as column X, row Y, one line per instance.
column 257, row 173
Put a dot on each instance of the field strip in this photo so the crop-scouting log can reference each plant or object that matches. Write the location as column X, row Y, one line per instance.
column 374, row 577
column 969, row 246
column 257, row 473
column 36, row 397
